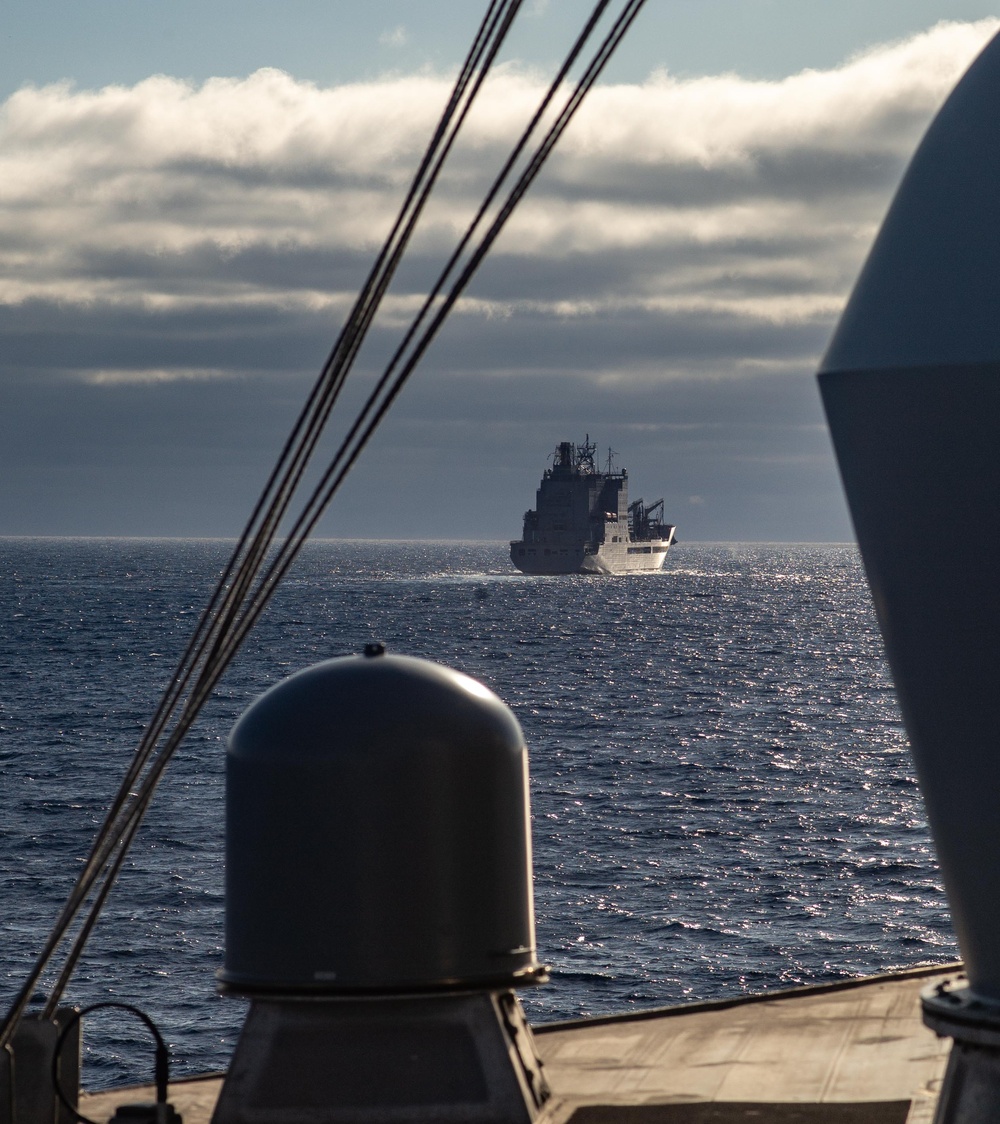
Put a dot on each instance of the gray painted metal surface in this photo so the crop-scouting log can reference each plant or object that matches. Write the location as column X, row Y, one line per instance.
column 911, row 386
column 463, row 1057
column 919, row 449
column 378, row 891
column 378, row 834
column 930, row 289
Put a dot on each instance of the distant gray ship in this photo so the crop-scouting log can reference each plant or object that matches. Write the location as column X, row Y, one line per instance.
column 583, row 523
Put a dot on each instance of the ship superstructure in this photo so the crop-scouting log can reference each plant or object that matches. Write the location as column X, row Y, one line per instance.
column 583, row 523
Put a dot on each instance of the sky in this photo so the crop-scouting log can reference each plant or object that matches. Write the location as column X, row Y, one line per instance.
column 191, row 193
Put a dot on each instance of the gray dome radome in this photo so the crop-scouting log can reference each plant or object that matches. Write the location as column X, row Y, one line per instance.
column 377, row 833
column 911, row 388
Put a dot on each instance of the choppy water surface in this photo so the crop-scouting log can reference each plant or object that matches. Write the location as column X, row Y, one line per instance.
column 722, row 795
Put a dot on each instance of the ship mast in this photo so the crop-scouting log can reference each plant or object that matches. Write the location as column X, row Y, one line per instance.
column 585, row 455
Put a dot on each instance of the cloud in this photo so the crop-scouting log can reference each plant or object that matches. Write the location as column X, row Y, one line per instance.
column 704, row 230
column 394, row 37
column 165, row 174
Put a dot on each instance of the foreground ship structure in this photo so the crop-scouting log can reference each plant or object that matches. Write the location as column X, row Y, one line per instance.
column 440, row 878
column 583, row 523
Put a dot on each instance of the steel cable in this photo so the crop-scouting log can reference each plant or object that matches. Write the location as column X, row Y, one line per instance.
column 236, row 604
column 252, row 546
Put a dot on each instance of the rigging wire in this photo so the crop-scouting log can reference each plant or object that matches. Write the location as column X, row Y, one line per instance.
column 346, row 456
column 252, row 546
column 332, row 478
column 235, row 604
column 494, row 30
column 555, row 132
column 310, row 422
column 280, row 567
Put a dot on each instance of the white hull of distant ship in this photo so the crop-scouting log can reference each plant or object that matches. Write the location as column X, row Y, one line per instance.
column 583, row 523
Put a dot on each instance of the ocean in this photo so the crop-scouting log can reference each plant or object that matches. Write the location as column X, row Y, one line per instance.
column 722, row 796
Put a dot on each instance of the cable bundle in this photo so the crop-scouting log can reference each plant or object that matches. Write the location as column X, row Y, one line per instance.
column 259, row 560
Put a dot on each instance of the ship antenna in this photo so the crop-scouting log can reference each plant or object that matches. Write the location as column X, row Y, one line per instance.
column 585, row 455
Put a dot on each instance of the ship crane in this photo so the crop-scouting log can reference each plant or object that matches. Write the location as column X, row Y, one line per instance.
column 643, row 517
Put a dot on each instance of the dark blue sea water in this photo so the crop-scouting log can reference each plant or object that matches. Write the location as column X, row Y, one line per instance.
column 723, row 799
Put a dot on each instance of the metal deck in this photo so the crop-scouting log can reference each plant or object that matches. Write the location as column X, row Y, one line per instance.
column 848, row 1053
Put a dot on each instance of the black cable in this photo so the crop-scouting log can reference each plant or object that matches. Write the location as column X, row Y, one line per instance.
column 210, row 633
column 324, row 492
column 161, row 1063
column 492, row 32
column 227, row 620
column 238, row 574
column 305, row 524
column 298, row 447
column 494, row 27
column 334, row 477
column 76, row 950
column 496, row 23
column 285, row 557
